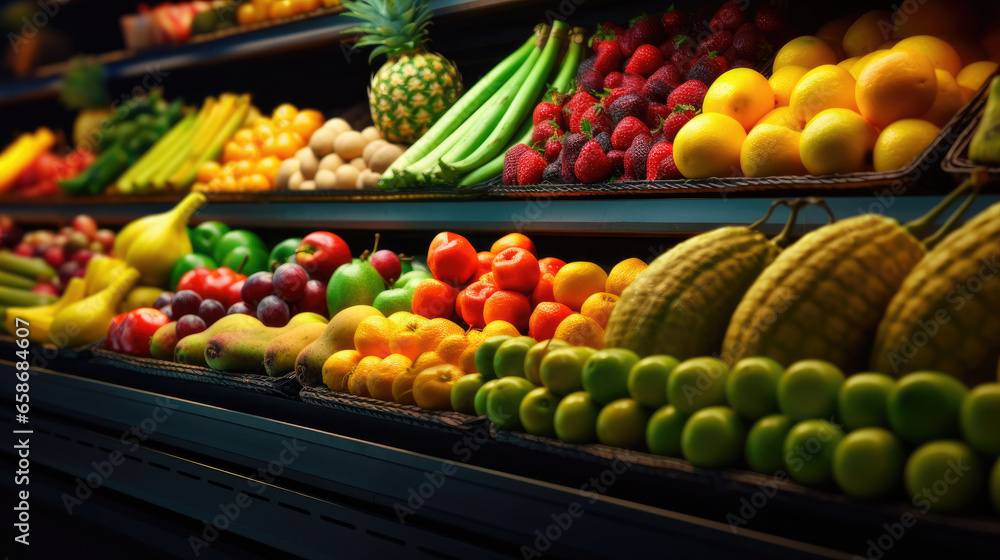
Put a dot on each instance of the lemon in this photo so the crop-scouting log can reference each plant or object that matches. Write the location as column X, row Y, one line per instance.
column 942, row 55
column 898, row 85
column 947, row 101
column 864, row 61
column 805, row 51
column 867, row 33
column 783, row 82
column 973, row 76
column 825, row 87
column 849, row 63
column 780, row 116
column 836, row 141
column 901, row 142
column 888, row 45
column 833, row 32
column 709, row 146
column 740, row 93
column 770, row 151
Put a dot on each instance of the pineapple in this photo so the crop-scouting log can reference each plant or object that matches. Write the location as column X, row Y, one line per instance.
column 414, row 87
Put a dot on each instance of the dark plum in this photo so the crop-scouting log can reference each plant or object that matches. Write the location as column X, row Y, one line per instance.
column 185, row 302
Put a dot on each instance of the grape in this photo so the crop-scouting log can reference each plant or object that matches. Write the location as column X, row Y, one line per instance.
column 185, row 302
column 241, row 307
column 163, row 300
column 168, row 311
column 190, row 324
column 290, row 282
column 211, row 311
column 273, row 311
column 257, row 287
column 68, row 270
column 314, row 299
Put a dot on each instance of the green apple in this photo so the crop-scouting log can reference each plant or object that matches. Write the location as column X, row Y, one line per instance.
column 752, row 387
column 713, row 437
column 980, row 419
column 538, row 411
column 503, row 404
column 863, row 400
column 868, row 463
column 412, row 278
column 533, row 359
column 509, row 358
column 463, row 392
column 605, row 374
column 355, row 283
column 809, row 389
column 925, row 406
column 766, row 442
column 576, row 418
column 622, row 423
column 944, row 475
column 809, row 449
column 647, row 380
column 697, row 383
column 562, row 370
column 663, row 431
column 995, row 486
column 479, row 403
column 485, row 354
column 391, row 301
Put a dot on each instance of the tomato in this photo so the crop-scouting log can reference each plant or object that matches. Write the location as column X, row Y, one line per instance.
column 509, row 358
column 863, row 400
column 562, row 369
column 924, row 406
column 647, row 380
column 980, row 419
column 432, row 387
column 944, row 476
column 809, row 449
column 663, row 431
column 537, row 412
column 713, row 437
column 504, row 402
column 463, row 394
column 575, row 419
column 809, row 389
column 752, row 387
column 868, row 463
column 697, row 383
column 605, row 374
column 622, row 423
column 765, row 443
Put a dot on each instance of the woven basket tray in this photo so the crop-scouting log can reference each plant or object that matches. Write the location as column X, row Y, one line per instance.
column 957, row 160
column 454, row 422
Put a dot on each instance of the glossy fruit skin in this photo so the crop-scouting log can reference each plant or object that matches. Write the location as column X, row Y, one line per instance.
column 765, row 443
column 483, row 393
column 205, row 235
column 605, row 374
column 283, row 252
column 944, row 475
column 432, row 387
column 321, row 253
column 863, row 400
column 134, row 331
column 809, row 449
column 980, row 417
column 663, row 431
column 189, row 262
column 868, row 463
column 504, row 402
column 697, row 383
column 508, row 361
column 451, row 258
column 576, row 418
column 241, row 250
column 356, row 283
column 713, row 437
column 562, row 370
column 647, row 380
column 463, row 393
column 516, row 269
column 486, row 353
column 925, row 406
column 387, row 264
column 809, row 389
column 537, row 412
column 622, row 423
column 752, row 387
column 290, row 282
column 533, row 359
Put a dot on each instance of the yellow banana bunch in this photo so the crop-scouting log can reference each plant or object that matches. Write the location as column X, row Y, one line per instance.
column 40, row 318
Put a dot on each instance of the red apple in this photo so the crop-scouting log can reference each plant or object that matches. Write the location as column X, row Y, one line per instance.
column 234, row 293
column 54, row 256
column 85, row 225
column 105, row 237
column 45, row 289
column 321, row 253
column 387, row 264
column 25, row 250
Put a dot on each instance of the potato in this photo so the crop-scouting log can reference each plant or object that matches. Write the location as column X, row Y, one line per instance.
column 347, row 177
column 295, row 181
column 338, row 125
column 371, row 148
column 321, row 141
column 359, row 163
column 285, row 171
column 349, row 145
column 371, row 134
column 368, row 180
column 384, row 158
column 307, row 162
column 326, row 179
column 331, row 162
column 307, row 186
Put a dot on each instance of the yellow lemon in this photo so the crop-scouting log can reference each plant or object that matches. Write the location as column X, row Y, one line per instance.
column 942, row 55
column 901, row 142
column 888, row 44
column 973, row 76
column 833, row 32
column 898, row 85
column 864, row 61
column 947, row 102
column 780, row 116
column 849, row 63
column 771, row 151
column 836, row 141
column 709, row 146
column 867, row 33
column 783, row 82
column 740, row 93
column 824, row 87
column 805, row 51
column 932, row 17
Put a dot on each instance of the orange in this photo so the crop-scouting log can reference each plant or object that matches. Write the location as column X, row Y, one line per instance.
column 268, row 167
column 543, row 290
column 599, row 307
column 357, row 382
column 947, row 101
column 514, row 240
column 707, row 146
column 836, row 141
column 281, row 8
column 899, row 85
column 509, row 306
column 550, row 265
column 623, row 274
column 833, row 33
column 244, row 135
column 432, row 332
column 867, row 33
column 805, row 51
column 450, row 349
column 434, row 299
column 579, row 330
column 306, row 123
column 488, row 279
column 888, row 44
column 577, row 281
column 232, row 151
column 973, row 76
column 402, row 385
column 864, row 61
column 825, row 87
column 770, row 151
column 451, row 258
column 285, row 111
column 780, row 116
column 254, row 182
column 208, row 170
column 372, row 336
column 338, row 368
column 783, row 82
column 381, row 379
column 515, row 269
column 404, row 339
column 248, row 14
column 244, row 167
column 933, row 17
column 546, row 318
column 485, row 264
column 432, row 387
column 303, row 6
column 902, row 142
column 740, row 93
column 261, row 132
column 942, row 55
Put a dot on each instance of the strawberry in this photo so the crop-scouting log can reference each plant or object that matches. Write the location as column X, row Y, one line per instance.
column 628, row 105
column 633, row 83
column 689, row 93
column 635, row 156
column 529, row 168
column 682, row 60
column 701, row 20
column 609, row 58
column 743, row 63
column 656, row 114
column 604, row 139
column 592, row 81
column 547, row 112
column 552, row 150
column 750, row 43
column 553, row 172
column 677, row 119
column 646, row 30
column 613, row 96
column 616, row 160
column 771, row 21
column 597, row 119
column 667, row 169
column 592, row 165
column 728, row 16
column 626, row 131
column 646, row 60
column 605, row 32
column 510, row 161
column 613, row 80
column 705, row 69
column 670, row 74
column 675, row 22
column 723, row 63
column 667, row 49
column 718, row 42
column 625, row 42
column 572, row 145
column 586, row 66
column 543, row 132
column 657, row 90
column 657, row 154
column 575, row 107
column 731, row 54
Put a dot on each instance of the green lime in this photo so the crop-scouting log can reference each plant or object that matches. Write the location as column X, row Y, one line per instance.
column 924, row 406
column 752, row 387
column 766, row 443
column 868, row 463
column 863, row 400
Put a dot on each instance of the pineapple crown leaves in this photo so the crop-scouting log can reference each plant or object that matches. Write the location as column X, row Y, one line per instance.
column 396, row 26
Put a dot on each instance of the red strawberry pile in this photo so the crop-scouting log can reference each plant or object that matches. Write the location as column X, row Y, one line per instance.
column 642, row 84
